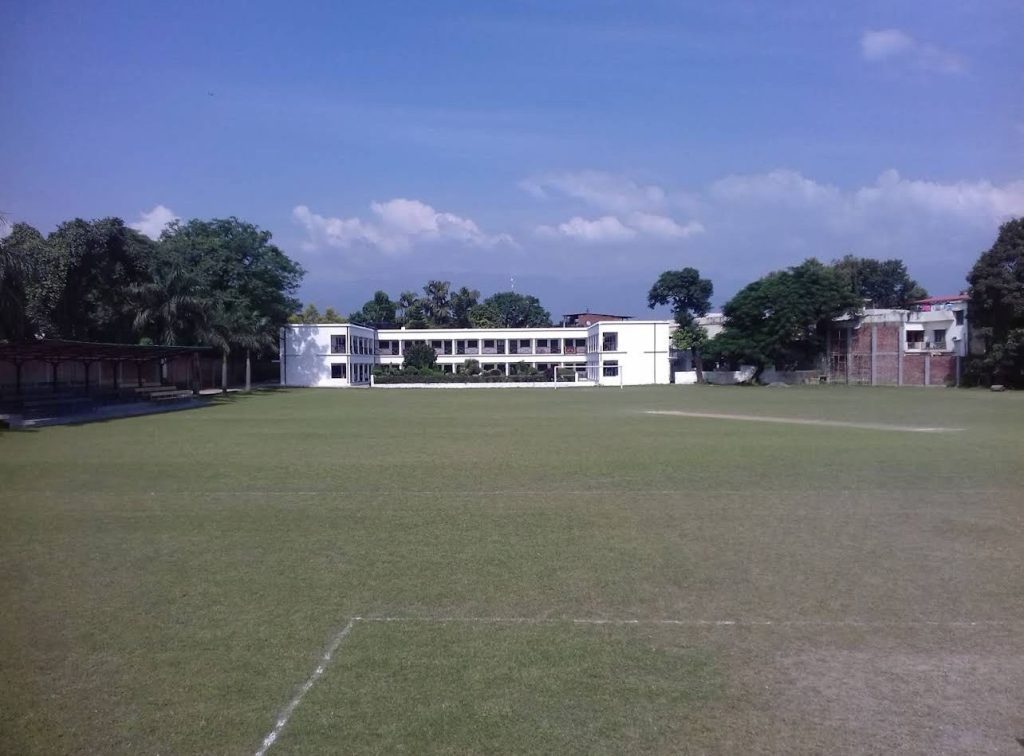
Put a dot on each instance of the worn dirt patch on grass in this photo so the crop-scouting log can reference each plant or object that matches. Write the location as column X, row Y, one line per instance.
column 804, row 421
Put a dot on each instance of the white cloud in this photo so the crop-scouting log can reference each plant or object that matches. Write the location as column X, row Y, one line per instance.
column 661, row 226
column 599, row 231
column 610, row 229
column 399, row 224
column 604, row 191
column 885, row 43
column 632, row 210
column 892, row 44
column 775, row 186
column 891, row 194
column 153, row 222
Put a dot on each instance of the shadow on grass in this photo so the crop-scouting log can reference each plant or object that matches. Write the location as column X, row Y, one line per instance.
column 200, row 402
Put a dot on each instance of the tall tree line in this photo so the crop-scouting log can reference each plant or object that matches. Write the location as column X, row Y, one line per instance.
column 439, row 306
column 782, row 318
column 219, row 282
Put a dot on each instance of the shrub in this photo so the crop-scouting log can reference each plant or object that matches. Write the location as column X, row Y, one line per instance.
column 420, row 356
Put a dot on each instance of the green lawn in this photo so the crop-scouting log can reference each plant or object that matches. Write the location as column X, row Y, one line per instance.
column 170, row 582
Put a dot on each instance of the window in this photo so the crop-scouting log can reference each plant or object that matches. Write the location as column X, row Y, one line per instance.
column 959, row 315
column 337, row 345
column 611, row 342
column 939, row 338
column 611, row 368
column 338, row 370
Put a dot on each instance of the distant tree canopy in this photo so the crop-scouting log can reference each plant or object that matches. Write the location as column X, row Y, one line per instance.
column 996, row 307
column 219, row 282
column 311, row 315
column 509, row 309
column 879, row 283
column 783, row 318
column 379, row 312
column 441, row 307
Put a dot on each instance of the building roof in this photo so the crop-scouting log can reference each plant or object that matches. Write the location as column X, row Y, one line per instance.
column 598, row 314
column 58, row 350
column 942, row 299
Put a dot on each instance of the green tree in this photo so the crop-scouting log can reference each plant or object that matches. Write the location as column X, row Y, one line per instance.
column 252, row 283
column 509, row 309
column 484, row 316
column 238, row 264
column 880, row 283
column 172, row 309
column 996, row 307
column 690, row 297
column 333, row 316
column 254, row 334
column 86, row 277
column 310, row 315
column 21, row 255
column 420, row 356
column 406, row 301
column 416, row 315
column 783, row 318
column 463, row 301
column 436, row 304
column 379, row 312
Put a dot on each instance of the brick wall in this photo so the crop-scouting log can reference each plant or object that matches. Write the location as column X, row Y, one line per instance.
column 856, row 364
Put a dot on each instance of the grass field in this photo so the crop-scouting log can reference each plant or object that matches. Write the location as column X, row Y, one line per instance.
column 561, row 571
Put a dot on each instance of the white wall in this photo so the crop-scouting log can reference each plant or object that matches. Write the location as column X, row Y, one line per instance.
column 306, row 356
column 642, row 351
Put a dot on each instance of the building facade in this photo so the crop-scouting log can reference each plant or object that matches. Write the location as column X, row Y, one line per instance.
column 631, row 353
column 921, row 346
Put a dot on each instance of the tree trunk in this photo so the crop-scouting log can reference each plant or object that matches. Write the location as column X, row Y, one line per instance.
column 248, row 372
column 224, row 373
column 698, row 364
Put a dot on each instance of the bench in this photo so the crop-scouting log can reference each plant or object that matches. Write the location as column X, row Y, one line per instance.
column 169, row 395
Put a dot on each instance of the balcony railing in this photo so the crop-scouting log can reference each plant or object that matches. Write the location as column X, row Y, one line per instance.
column 927, row 346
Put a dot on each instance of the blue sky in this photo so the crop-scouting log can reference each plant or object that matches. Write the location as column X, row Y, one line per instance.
column 579, row 147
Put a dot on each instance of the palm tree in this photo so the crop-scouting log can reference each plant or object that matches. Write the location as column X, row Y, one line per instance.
column 173, row 308
column 437, row 304
column 254, row 333
column 463, row 300
column 406, row 300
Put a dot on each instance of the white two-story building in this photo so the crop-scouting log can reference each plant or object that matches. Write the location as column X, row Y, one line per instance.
column 627, row 352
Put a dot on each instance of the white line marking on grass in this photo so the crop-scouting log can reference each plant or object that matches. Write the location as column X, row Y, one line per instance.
column 803, row 421
column 441, row 620
column 288, row 710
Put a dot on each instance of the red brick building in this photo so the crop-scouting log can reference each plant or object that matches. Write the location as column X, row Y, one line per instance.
column 922, row 346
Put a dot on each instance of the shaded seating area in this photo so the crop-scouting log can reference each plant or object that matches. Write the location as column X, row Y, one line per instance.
column 52, row 378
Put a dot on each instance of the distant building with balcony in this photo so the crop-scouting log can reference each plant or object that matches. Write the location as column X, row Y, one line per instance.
column 626, row 352
column 919, row 346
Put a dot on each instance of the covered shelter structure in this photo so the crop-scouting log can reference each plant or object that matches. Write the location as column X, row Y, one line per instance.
column 53, row 376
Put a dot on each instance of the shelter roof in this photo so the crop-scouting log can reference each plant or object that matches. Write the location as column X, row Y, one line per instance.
column 59, row 350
